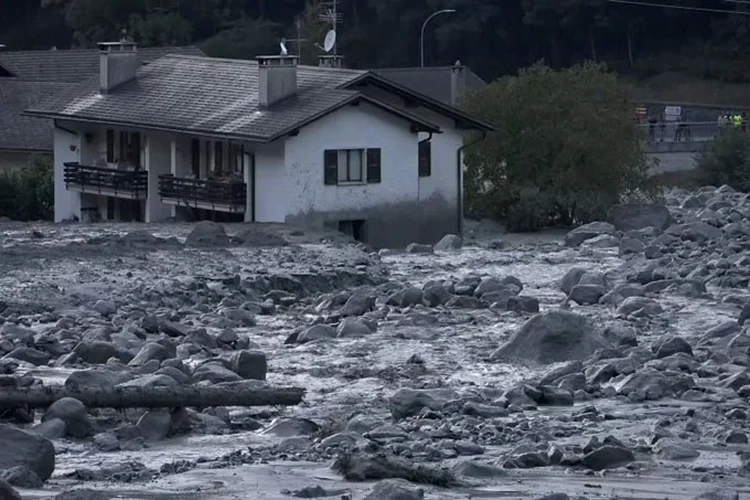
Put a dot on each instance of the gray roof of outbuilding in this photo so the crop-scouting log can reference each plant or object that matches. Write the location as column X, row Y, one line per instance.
column 210, row 97
column 432, row 81
column 75, row 65
column 25, row 133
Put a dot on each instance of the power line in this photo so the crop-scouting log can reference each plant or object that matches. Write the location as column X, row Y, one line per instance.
column 683, row 7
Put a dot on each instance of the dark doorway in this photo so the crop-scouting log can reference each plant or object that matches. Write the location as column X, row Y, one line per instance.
column 353, row 228
column 130, row 211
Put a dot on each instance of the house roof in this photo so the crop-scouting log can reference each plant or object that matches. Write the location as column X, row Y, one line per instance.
column 432, row 81
column 75, row 65
column 212, row 97
column 25, row 133
column 412, row 95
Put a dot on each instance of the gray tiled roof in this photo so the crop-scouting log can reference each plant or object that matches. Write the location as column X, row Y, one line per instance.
column 208, row 96
column 25, row 133
column 432, row 81
column 74, row 65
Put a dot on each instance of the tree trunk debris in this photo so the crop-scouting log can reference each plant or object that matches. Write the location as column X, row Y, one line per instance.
column 154, row 397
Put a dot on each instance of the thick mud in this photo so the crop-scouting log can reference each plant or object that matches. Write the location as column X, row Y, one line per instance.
column 53, row 272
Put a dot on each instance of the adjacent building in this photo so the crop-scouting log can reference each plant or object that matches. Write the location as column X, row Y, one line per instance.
column 29, row 76
column 258, row 141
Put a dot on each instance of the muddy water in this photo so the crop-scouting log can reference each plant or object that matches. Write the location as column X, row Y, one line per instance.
column 344, row 376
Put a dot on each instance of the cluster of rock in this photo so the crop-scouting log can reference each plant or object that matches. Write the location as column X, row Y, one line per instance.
column 611, row 338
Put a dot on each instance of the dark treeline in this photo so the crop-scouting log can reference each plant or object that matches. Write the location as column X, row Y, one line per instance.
column 494, row 37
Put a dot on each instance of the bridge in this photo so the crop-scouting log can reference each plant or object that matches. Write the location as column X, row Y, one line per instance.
column 675, row 145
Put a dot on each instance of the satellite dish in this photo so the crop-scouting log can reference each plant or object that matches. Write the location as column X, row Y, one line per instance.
column 284, row 51
column 330, row 41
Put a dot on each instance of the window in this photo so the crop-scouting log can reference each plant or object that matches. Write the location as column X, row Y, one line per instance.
column 344, row 166
column 195, row 158
column 425, row 158
column 350, row 165
column 110, row 146
column 237, row 159
column 218, row 157
column 130, row 148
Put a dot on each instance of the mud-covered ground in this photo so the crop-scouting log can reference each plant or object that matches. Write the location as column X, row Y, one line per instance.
column 632, row 382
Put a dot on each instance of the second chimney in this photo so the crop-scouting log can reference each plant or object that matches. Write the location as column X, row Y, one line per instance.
column 118, row 63
column 331, row 61
column 277, row 78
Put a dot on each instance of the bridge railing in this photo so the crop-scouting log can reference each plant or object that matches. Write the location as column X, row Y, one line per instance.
column 681, row 131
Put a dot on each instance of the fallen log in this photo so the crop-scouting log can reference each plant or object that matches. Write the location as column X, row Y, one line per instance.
column 154, row 397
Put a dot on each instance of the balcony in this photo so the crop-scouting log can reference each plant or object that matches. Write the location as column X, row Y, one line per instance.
column 131, row 184
column 221, row 196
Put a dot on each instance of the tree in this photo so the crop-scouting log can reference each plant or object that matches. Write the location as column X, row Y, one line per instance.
column 566, row 147
column 727, row 161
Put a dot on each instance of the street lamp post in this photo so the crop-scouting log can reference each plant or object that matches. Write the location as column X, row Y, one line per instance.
column 421, row 37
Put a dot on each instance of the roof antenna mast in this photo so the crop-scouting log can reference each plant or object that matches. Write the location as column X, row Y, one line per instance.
column 332, row 16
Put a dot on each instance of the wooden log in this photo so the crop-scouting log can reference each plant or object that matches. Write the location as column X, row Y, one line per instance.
column 154, row 397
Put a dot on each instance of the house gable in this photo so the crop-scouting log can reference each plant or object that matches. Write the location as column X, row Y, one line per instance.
column 411, row 98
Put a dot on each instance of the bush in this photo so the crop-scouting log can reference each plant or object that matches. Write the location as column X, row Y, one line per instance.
column 29, row 193
column 566, row 148
column 726, row 161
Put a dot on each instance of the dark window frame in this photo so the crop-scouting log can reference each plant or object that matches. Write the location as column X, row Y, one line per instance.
column 425, row 158
column 195, row 157
column 110, row 145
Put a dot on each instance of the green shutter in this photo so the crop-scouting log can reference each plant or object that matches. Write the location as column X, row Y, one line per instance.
column 330, row 167
column 373, row 166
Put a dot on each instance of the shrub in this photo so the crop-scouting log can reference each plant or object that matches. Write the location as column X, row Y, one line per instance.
column 566, row 148
column 29, row 193
column 726, row 161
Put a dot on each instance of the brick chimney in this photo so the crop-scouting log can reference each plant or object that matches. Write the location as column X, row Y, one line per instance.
column 331, row 61
column 117, row 64
column 277, row 78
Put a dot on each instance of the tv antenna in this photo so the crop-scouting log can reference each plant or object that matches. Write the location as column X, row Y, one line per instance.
column 333, row 17
column 330, row 41
column 299, row 39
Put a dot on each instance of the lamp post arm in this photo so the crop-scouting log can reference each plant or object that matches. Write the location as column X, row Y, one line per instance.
column 421, row 35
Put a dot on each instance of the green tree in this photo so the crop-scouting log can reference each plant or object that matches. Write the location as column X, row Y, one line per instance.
column 727, row 161
column 566, row 147
column 245, row 40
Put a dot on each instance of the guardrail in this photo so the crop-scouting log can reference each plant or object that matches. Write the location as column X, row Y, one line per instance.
column 220, row 195
column 681, row 131
column 132, row 184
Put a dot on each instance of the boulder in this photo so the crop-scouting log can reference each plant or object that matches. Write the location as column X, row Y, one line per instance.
column 586, row 232
column 7, row 492
column 552, row 337
column 634, row 216
column 419, row 248
column 406, row 402
column 608, row 457
column 21, row 448
column 448, row 243
column 74, row 414
column 395, row 489
column 207, row 233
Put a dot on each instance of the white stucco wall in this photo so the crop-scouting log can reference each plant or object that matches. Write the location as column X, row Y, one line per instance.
column 67, row 203
column 352, row 127
column 272, row 196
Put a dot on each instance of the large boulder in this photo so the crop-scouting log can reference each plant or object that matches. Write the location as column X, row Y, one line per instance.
column 635, row 216
column 588, row 231
column 207, row 233
column 552, row 337
column 21, row 448
column 74, row 414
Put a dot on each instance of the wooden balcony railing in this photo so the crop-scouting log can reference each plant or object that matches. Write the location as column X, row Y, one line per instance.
column 226, row 196
column 109, row 181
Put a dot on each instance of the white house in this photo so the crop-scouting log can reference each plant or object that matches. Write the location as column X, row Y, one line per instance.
column 257, row 141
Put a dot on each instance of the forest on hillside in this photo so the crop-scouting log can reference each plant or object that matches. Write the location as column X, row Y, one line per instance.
column 707, row 38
